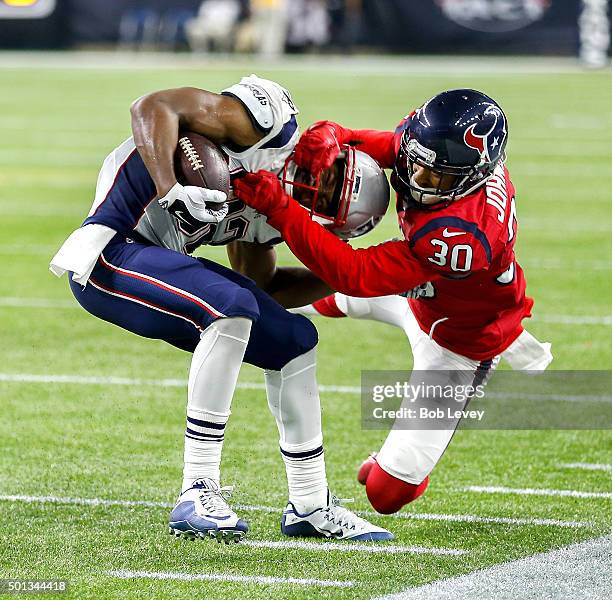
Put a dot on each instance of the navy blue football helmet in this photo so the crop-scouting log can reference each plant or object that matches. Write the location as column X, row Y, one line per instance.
column 460, row 135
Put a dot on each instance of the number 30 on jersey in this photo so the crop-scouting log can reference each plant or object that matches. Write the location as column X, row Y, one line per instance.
column 460, row 259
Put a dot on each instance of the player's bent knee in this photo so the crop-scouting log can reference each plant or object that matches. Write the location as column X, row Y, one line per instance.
column 388, row 494
column 303, row 337
column 278, row 337
column 241, row 302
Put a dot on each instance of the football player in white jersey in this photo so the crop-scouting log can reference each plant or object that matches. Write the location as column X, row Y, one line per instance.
column 129, row 264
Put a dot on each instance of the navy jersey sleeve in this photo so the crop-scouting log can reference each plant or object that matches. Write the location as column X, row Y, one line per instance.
column 125, row 195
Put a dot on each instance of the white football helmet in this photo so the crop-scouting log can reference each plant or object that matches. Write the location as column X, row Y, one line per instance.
column 358, row 200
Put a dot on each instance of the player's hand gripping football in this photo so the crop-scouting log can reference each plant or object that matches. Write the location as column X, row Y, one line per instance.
column 262, row 191
column 197, row 201
column 319, row 146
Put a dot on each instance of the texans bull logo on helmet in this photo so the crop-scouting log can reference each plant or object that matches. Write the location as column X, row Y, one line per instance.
column 488, row 135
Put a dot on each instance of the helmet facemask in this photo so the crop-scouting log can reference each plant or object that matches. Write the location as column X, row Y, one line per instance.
column 326, row 207
column 356, row 204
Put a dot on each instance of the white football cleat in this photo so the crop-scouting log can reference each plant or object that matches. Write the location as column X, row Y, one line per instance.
column 202, row 511
column 331, row 521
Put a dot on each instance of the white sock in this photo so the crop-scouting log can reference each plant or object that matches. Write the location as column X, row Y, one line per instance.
column 204, row 436
column 212, row 379
column 293, row 398
column 305, row 467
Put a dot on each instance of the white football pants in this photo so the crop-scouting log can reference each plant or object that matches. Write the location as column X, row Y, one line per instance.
column 408, row 454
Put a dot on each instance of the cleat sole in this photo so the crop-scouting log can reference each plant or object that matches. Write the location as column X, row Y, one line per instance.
column 226, row 536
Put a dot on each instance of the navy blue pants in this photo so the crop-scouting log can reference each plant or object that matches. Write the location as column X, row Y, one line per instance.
column 162, row 294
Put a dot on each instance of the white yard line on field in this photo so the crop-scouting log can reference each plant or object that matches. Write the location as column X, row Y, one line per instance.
column 26, row 249
column 337, row 389
column 15, row 302
column 491, row 489
column 245, row 385
column 574, row 319
column 181, row 383
column 52, row 303
column 275, row 510
column 328, row 66
column 92, row 380
column 558, row 264
column 586, row 466
column 577, row 571
column 258, row 579
column 368, row 548
column 528, row 262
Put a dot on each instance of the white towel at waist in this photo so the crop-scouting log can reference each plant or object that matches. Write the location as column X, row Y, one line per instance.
column 526, row 353
column 80, row 252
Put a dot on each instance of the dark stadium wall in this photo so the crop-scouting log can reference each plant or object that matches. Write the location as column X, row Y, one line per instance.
column 45, row 33
column 474, row 26
column 532, row 27
column 97, row 21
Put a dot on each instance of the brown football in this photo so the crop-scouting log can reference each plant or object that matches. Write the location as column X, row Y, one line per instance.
column 200, row 162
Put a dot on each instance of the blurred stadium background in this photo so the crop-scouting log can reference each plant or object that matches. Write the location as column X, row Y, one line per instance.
column 93, row 417
column 271, row 27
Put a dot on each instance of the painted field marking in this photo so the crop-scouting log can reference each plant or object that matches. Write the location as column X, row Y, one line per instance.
column 365, row 547
column 178, row 383
column 578, row 571
column 556, row 264
column 586, row 466
column 481, row 489
column 529, row 263
column 52, row 303
column 574, row 319
column 13, row 302
column 181, row 383
column 29, row 249
column 258, row 579
column 276, row 510
column 330, row 66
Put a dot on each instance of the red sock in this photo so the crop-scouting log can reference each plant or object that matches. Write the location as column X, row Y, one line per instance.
column 387, row 494
column 328, row 308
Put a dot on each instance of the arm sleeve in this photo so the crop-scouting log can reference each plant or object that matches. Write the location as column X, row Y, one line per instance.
column 389, row 268
column 380, row 145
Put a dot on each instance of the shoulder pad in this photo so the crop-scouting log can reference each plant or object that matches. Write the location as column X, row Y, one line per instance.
column 256, row 101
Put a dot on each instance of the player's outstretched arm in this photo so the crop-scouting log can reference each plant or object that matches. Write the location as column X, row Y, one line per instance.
column 289, row 286
column 321, row 143
column 157, row 118
column 389, row 268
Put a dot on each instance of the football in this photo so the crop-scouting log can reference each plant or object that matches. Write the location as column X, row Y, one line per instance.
column 200, row 162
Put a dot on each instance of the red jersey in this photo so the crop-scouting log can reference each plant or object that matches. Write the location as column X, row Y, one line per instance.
column 456, row 264
column 476, row 304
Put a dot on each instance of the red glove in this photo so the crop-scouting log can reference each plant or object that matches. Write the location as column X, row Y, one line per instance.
column 320, row 145
column 262, row 191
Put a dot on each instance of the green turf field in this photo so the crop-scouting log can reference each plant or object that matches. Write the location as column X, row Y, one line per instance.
column 122, row 441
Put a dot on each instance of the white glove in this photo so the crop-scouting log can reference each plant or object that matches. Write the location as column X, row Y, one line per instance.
column 195, row 199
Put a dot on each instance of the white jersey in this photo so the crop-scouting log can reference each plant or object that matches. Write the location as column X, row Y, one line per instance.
column 126, row 199
column 273, row 112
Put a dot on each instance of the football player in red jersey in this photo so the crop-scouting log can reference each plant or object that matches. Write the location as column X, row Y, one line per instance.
column 456, row 263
